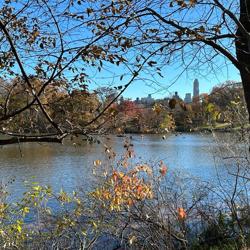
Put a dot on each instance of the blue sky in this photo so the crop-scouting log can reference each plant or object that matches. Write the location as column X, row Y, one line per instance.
column 183, row 85
column 170, row 82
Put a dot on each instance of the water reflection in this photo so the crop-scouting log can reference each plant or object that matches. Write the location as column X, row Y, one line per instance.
column 70, row 166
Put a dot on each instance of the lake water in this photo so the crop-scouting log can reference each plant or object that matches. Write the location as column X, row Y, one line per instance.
column 70, row 166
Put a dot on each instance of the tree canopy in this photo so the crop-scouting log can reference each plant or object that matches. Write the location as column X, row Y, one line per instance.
column 58, row 43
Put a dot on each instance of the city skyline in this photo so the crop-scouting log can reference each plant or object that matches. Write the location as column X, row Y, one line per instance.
column 183, row 84
column 187, row 99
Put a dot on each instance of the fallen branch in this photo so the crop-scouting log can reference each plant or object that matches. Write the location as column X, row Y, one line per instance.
column 30, row 139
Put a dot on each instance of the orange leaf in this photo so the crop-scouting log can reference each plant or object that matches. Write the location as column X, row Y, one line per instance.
column 97, row 163
column 139, row 189
column 181, row 213
column 163, row 169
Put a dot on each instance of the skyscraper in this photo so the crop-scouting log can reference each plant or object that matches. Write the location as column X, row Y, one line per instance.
column 196, row 88
column 188, row 98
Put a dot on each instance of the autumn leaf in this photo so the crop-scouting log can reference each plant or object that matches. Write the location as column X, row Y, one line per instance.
column 139, row 189
column 97, row 163
column 131, row 240
column 192, row 2
column 89, row 11
column 163, row 169
column 181, row 213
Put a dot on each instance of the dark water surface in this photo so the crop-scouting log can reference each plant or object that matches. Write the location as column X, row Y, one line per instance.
column 70, row 166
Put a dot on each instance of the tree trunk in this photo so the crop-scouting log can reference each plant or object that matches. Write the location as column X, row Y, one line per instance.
column 245, row 77
column 243, row 50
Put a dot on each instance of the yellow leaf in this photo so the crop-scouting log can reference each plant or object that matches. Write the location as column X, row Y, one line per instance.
column 132, row 239
column 94, row 224
column 97, row 163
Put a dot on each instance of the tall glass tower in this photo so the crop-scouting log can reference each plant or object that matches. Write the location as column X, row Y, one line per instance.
column 196, row 88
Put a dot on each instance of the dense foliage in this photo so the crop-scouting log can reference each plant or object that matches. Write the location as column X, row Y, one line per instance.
column 74, row 110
